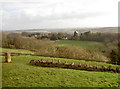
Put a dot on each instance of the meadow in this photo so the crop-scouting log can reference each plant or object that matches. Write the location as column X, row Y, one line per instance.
column 89, row 45
column 19, row 73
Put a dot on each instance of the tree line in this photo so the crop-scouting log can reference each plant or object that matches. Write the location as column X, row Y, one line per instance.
column 86, row 36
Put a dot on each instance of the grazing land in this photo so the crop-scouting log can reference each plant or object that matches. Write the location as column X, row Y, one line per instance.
column 90, row 45
column 21, row 73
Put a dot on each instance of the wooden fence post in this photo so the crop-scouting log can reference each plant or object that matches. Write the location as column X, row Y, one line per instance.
column 7, row 57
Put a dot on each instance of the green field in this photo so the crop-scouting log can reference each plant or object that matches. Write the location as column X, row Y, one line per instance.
column 21, row 73
column 16, row 51
column 84, row 44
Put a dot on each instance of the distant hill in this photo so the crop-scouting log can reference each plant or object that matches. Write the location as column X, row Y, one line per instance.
column 69, row 30
column 103, row 30
column 29, row 30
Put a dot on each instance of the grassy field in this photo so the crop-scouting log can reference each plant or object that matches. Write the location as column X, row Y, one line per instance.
column 84, row 44
column 16, row 50
column 21, row 73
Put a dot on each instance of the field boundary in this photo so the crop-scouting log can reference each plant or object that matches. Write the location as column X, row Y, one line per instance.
column 58, row 64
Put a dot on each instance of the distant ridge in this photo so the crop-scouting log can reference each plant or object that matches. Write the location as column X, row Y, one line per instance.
column 70, row 30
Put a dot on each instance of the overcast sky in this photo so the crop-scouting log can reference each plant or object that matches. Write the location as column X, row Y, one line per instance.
column 39, row 14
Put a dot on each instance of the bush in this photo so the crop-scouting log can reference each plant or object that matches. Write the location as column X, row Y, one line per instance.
column 72, row 52
column 18, row 41
column 114, row 52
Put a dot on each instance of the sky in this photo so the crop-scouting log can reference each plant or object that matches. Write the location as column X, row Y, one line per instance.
column 49, row 14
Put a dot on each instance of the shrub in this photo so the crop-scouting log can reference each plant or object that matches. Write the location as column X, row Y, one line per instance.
column 115, row 57
column 72, row 52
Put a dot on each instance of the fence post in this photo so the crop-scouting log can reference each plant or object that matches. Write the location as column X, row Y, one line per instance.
column 58, row 61
column 7, row 57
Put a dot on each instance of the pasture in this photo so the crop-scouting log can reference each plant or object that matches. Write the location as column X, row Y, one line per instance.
column 21, row 73
column 89, row 45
